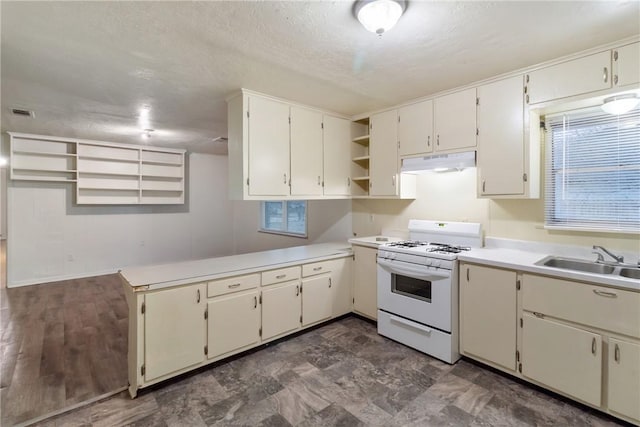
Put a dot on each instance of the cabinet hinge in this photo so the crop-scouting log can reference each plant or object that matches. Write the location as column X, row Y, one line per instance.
column 370, row 126
column 142, row 370
column 527, row 78
column 247, row 114
column 477, row 131
column 301, row 319
column 525, row 90
column 524, row 177
column 206, row 350
column 518, row 284
column 615, row 55
column 517, row 356
column 321, row 125
column 261, row 301
column 521, row 322
column 289, row 119
column 477, row 100
column 398, row 145
column 143, row 309
column 301, row 288
column 247, row 181
column 520, row 367
column 398, row 119
column 206, row 314
column 353, row 300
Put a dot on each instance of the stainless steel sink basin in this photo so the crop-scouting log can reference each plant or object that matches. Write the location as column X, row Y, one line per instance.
column 632, row 273
column 576, row 265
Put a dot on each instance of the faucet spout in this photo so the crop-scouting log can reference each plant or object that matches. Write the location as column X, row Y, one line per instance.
column 618, row 258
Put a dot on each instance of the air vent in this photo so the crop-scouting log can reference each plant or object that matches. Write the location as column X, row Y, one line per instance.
column 21, row 112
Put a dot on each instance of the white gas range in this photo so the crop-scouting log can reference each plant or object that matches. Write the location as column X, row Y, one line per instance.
column 418, row 286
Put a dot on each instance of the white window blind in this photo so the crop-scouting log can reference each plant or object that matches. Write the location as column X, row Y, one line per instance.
column 593, row 171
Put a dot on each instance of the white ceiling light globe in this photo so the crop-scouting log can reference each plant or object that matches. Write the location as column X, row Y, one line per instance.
column 379, row 16
column 620, row 104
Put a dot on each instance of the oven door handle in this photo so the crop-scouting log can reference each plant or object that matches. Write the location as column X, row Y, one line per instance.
column 416, row 273
column 409, row 324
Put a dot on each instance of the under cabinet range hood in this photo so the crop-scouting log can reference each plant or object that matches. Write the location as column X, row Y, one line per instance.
column 440, row 162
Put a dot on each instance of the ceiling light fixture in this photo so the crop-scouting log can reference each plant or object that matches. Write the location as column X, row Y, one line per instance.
column 146, row 134
column 620, row 104
column 379, row 16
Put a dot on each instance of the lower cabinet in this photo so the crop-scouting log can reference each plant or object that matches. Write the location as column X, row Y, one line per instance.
column 341, row 284
column 281, row 309
column 624, row 378
column 365, row 281
column 565, row 358
column 174, row 330
column 316, row 299
column 233, row 323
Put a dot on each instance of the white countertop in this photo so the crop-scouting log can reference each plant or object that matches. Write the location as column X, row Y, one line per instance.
column 523, row 260
column 180, row 273
column 373, row 241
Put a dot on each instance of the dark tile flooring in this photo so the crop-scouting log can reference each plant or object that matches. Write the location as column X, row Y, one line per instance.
column 340, row 374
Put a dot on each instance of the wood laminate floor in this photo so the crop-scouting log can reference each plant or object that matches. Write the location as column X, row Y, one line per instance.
column 340, row 374
column 62, row 343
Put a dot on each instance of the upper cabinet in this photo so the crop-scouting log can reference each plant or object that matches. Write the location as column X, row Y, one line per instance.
column 508, row 152
column 455, row 121
column 576, row 77
column 336, row 156
column 306, row 151
column 384, row 154
column 626, row 65
column 415, row 129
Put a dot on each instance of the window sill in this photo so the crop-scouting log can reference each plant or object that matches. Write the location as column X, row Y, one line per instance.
column 591, row 229
column 282, row 233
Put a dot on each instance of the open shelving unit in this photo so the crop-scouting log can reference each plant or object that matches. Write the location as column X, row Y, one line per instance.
column 360, row 158
column 104, row 173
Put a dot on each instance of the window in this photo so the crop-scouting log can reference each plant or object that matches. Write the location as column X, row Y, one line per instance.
column 284, row 217
column 593, row 171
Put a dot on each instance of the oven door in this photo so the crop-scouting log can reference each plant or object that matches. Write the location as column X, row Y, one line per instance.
column 420, row 293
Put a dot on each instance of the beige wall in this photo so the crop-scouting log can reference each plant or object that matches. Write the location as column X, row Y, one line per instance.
column 451, row 196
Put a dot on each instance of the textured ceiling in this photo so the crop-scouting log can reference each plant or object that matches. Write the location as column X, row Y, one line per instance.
column 87, row 67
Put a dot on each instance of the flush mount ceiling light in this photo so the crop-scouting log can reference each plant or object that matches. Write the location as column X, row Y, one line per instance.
column 620, row 104
column 379, row 16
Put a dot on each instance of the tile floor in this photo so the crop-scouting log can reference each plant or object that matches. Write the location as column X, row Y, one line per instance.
column 340, row 374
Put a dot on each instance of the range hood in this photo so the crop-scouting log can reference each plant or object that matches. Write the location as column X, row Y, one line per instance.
column 439, row 162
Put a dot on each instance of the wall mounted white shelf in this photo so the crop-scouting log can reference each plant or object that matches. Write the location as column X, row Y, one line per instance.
column 104, row 173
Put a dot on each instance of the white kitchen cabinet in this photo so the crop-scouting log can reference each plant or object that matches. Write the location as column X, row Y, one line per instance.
column 306, row 152
column 233, row 322
column 455, row 121
column 575, row 77
column 488, row 314
column 174, row 330
column 415, row 129
column 341, row 285
column 508, row 152
column 317, row 299
column 268, row 133
column 624, row 378
column 365, row 281
column 336, row 156
column 281, row 309
column 562, row 357
column 383, row 170
column 626, row 65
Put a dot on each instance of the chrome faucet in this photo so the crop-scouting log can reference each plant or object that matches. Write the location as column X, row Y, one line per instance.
column 619, row 259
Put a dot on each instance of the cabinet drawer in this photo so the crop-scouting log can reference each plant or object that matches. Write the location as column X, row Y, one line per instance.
column 280, row 275
column 610, row 309
column 233, row 284
column 316, row 268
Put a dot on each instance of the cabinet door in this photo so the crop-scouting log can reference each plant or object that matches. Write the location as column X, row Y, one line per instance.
column 624, row 378
column 174, row 329
column 488, row 314
column 316, row 299
column 570, row 78
column 415, row 128
column 564, row 358
column 383, row 146
column 341, row 285
column 233, row 323
column 337, row 156
column 280, row 309
column 626, row 65
column 455, row 120
column 365, row 286
column 306, row 152
column 501, row 137
column 268, row 147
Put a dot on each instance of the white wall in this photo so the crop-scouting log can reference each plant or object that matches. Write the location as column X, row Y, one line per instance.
column 51, row 238
column 451, row 196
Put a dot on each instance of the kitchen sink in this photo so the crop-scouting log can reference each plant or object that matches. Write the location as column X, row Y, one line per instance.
column 577, row 265
column 632, row 273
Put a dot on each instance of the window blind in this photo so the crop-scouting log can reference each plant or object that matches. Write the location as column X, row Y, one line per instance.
column 593, row 171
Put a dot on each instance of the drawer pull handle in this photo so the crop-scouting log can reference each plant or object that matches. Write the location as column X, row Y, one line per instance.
column 593, row 345
column 467, row 274
column 281, row 276
column 605, row 293
column 198, row 296
column 235, row 285
column 255, row 302
column 329, row 281
column 297, row 290
column 616, row 353
column 317, row 268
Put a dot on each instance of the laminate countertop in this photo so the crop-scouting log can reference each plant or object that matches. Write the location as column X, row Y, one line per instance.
column 185, row 272
column 525, row 261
